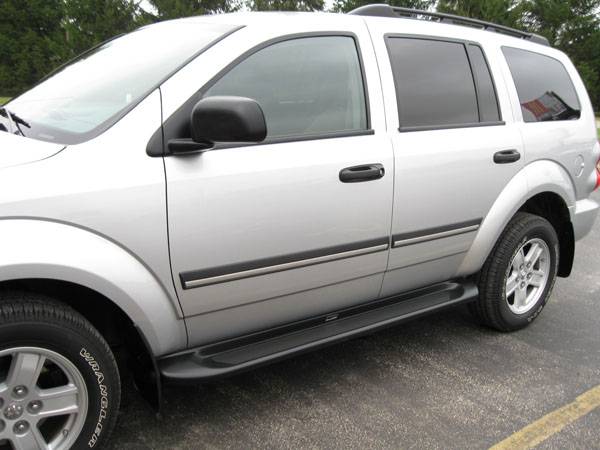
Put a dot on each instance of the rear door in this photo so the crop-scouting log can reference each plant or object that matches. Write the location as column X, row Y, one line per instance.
column 456, row 146
column 264, row 235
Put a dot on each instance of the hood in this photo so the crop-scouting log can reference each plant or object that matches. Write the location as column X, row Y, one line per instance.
column 16, row 150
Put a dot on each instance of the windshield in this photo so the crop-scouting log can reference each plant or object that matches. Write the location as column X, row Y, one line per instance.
column 91, row 93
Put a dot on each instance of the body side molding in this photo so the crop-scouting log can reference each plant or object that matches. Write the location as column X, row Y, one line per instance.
column 430, row 234
column 265, row 266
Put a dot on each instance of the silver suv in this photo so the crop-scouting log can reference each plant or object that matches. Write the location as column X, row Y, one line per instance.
column 206, row 195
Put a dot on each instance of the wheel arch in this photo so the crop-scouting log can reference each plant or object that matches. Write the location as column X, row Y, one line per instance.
column 553, row 208
column 125, row 339
column 63, row 254
column 542, row 187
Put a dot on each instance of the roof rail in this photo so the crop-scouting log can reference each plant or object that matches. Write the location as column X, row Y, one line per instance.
column 384, row 10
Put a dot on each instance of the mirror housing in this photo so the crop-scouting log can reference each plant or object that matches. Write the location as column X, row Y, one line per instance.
column 222, row 119
column 228, row 119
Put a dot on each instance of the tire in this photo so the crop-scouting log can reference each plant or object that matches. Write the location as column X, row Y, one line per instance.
column 70, row 355
column 499, row 306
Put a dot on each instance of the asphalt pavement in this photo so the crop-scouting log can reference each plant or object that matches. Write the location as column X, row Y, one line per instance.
column 440, row 382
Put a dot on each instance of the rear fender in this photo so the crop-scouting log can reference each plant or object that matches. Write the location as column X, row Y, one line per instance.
column 536, row 178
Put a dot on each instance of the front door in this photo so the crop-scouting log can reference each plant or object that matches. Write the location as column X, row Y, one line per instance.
column 264, row 235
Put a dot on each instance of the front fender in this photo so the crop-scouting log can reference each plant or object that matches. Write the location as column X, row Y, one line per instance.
column 36, row 248
column 535, row 178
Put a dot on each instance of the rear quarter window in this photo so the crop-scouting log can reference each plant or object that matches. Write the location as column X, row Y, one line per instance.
column 545, row 90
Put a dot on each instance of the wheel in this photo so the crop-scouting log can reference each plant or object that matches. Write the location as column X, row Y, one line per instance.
column 519, row 274
column 59, row 382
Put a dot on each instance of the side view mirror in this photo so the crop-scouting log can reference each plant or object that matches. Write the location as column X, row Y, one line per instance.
column 222, row 119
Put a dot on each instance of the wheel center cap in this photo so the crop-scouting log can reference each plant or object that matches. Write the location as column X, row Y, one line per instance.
column 13, row 411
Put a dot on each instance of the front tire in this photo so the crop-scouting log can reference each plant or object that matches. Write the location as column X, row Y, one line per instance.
column 519, row 274
column 59, row 382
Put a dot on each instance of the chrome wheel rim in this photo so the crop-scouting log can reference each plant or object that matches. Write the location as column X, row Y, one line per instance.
column 43, row 399
column 527, row 276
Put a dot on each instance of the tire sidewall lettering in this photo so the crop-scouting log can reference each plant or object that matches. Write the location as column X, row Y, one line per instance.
column 102, row 414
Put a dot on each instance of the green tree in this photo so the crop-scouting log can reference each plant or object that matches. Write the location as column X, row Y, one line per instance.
column 503, row 12
column 89, row 22
column 573, row 26
column 562, row 20
column 172, row 9
column 31, row 42
column 285, row 5
column 349, row 5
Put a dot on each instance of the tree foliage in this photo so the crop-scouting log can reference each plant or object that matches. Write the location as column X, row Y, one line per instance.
column 38, row 35
column 503, row 12
column 349, row 5
column 172, row 9
column 88, row 22
column 30, row 42
column 285, row 5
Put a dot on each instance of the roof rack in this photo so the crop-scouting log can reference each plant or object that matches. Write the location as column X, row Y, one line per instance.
column 384, row 10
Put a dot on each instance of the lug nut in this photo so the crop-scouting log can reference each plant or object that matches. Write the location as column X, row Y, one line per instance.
column 20, row 391
column 522, row 285
column 528, row 275
column 34, row 407
column 21, row 427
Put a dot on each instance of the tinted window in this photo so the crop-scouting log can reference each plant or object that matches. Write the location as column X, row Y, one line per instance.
column 305, row 86
column 434, row 84
column 544, row 87
column 486, row 93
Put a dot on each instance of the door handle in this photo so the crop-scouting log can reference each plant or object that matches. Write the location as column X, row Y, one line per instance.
column 366, row 172
column 507, row 156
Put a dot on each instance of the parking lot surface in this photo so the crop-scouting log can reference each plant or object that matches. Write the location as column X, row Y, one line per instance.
column 440, row 382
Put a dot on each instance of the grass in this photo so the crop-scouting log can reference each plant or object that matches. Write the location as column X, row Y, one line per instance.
column 3, row 100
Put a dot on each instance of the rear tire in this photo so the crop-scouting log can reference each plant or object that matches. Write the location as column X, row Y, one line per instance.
column 48, row 349
column 519, row 274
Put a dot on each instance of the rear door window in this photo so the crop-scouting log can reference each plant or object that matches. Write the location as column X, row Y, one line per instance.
column 545, row 89
column 441, row 84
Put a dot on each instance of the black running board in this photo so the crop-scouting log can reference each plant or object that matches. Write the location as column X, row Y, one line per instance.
column 230, row 357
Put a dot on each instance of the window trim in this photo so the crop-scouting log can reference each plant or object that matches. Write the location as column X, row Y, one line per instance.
column 465, row 43
column 487, row 64
column 502, row 47
column 160, row 137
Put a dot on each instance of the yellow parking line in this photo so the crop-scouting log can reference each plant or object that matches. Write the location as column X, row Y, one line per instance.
column 540, row 430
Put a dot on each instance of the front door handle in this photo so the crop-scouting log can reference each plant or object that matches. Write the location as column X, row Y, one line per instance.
column 366, row 172
column 506, row 156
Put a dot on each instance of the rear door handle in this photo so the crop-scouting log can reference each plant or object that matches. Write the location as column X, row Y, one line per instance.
column 366, row 172
column 507, row 156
